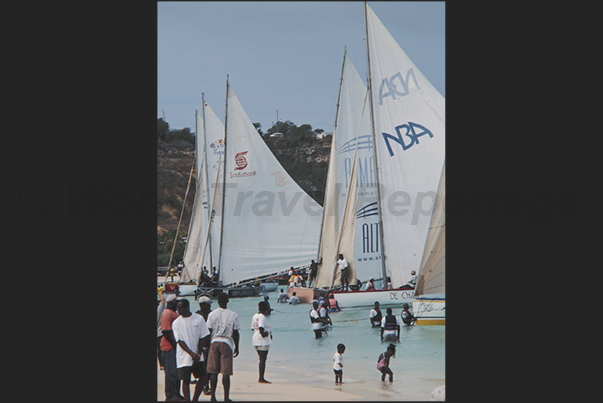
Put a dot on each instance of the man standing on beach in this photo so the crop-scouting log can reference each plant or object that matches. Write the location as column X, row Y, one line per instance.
column 168, row 350
column 224, row 327
column 192, row 334
column 204, row 310
column 160, row 309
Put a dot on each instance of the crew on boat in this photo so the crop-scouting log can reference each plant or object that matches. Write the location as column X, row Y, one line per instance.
column 357, row 286
column 370, row 284
column 214, row 276
column 205, row 280
column 344, row 269
column 313, row 272
column 295, row 280
column 413, row 279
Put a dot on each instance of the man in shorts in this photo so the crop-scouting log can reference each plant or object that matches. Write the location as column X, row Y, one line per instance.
column 191, row 334
column 224, row 327
column 344, row 269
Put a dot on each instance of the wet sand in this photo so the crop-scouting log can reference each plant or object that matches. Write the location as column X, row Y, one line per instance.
column 244, row 386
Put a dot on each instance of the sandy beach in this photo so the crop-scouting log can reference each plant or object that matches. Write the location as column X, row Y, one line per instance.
column 245, row 387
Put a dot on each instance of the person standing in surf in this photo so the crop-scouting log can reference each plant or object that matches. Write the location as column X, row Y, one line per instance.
column 262, row 338
column 318, row 323
column 383, row 363
column 338, row 364
column 390, row 327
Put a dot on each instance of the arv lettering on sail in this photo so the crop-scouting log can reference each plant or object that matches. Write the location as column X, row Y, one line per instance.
column 411, row 132
column 392, row 89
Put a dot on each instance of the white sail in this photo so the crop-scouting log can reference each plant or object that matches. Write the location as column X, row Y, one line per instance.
column 209, row 148
column 214, row 151
column 347, row 231
column 351, row 123
column 432, row 275
column 330, row 223
column 269, row 222
column 408, row 118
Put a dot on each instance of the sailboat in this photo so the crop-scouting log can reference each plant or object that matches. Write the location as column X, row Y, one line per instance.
column 429, row 303
column 203, row 235
column 259, row 221
column 407, row 129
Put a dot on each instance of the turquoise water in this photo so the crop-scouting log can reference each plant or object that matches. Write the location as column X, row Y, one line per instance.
column 295, row 354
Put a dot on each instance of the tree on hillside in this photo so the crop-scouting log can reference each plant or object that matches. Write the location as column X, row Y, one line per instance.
column 181, row 134
column 287, row 128
column 162, row 128
column 258, row 127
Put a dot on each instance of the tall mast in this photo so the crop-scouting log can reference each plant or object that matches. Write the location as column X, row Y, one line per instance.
column 206, row 177
column 220, row 269
column 370, row 89
column 333, row 145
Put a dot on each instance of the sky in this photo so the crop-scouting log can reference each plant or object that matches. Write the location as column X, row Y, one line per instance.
column 283, row 56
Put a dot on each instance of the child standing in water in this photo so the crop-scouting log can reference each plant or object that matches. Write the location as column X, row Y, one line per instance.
column 383, row 362
column 338, row 364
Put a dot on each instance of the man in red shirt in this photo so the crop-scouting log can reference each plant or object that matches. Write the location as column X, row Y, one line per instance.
column 168, row 350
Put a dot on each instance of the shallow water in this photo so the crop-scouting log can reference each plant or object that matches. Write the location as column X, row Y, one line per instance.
column 418, row 367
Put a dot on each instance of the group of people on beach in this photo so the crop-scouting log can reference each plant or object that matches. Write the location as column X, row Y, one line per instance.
column 202, row 344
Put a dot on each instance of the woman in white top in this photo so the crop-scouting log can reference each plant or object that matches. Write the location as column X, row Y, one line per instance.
column 262, row 337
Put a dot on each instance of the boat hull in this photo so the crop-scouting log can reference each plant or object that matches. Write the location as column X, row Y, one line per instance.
column 233, row 292
column 306, row 295
column 429, row 311
column 269, row 286
column 192, row 290
column 347, row 299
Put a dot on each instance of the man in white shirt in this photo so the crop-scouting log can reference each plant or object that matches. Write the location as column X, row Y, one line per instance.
column 390, row 327
column 191, row 334
column 282, row 297
column 224, row 327
column 317, row 322
column 413, row 279
column 375, row 315
column 343, row 267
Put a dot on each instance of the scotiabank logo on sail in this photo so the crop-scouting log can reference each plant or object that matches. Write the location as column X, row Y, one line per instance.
column 241, row 164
